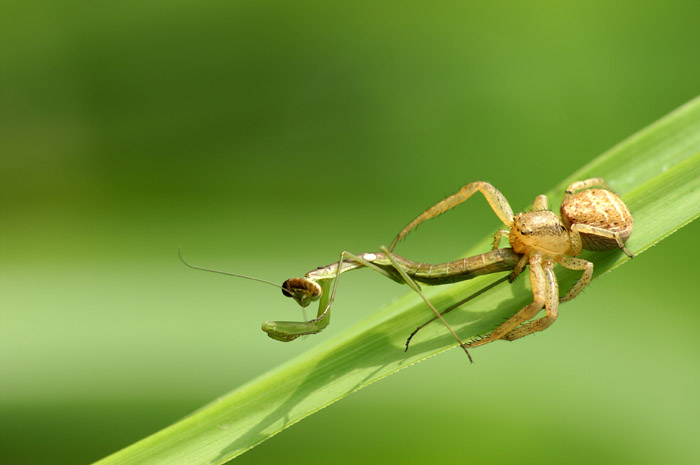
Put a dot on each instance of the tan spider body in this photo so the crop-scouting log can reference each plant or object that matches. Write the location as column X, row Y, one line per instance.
column 595, row 219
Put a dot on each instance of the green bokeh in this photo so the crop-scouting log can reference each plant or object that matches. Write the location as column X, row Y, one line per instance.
column 266, row 137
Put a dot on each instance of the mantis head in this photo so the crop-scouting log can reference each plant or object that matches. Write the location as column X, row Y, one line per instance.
column 303, row 290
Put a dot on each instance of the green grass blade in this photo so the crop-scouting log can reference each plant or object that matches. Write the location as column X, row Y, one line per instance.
column 656, row 172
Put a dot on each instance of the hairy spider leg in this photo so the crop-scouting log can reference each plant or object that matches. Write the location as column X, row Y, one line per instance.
column 541, row 293
column 585, row 184
column 493, row 196
column 551, row 306
column 544, row 284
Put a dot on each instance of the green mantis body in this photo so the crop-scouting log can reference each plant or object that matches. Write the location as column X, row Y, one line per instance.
column 316, row 284
column 321, row 283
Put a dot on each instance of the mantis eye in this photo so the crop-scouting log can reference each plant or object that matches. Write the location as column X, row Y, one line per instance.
column 294, row 286
column 285, row 289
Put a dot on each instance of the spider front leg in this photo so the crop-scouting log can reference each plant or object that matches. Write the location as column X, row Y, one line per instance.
column 522, row 263
column 493, row 196
column 541, row 293
column 500, row 234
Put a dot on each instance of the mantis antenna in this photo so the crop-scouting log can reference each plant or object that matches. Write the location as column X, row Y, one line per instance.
column 236, row 275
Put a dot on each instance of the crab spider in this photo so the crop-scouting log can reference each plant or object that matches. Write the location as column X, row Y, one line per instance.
column 595, row 219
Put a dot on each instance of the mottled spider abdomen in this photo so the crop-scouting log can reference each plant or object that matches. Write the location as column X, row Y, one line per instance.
column 599, row 208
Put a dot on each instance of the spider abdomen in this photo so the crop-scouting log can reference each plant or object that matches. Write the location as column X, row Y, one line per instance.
column 599, row 208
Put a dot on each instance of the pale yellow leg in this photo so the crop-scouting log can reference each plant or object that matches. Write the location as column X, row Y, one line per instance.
column 551, row 306
column 500, row 234
column 576, row 242
column 583, row 228
column 538, row 280
column 585, row 184
column 576, row 264
column 522, row 263
column 496, row 200
column 540, row 204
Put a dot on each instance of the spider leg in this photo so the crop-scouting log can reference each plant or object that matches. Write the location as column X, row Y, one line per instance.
column 522, row 263
column 585, row 184
column 500, row 234
column 583, row 228
column 538, row 280
column 540, row 204
column 493, row 196
column 576, row 264
column 551, row 305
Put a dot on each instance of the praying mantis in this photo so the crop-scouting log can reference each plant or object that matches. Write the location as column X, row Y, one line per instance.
column 592, row 217
column 316, row 284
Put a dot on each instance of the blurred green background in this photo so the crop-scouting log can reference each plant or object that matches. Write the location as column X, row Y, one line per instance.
column 266, row 137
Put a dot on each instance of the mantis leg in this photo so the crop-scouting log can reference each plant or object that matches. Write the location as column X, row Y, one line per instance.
column 416, row 288
column 287, row 331
column 456, row 305
column 493, row 196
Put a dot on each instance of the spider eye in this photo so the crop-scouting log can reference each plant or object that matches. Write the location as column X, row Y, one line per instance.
column 525, row 231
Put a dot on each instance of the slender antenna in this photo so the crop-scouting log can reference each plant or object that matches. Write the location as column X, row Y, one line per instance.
column 179, row 254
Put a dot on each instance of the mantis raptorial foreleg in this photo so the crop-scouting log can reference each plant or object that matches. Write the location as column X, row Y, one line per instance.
column 286, row 331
